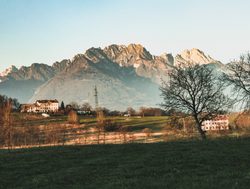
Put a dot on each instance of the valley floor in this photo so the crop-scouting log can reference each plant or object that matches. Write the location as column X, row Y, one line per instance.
column 36, row 131
column 218, row 163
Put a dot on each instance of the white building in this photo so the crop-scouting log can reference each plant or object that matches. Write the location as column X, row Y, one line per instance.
column 218, row 123
column 41, row 106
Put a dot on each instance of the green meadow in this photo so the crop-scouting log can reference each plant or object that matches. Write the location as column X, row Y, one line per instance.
column 220, row 163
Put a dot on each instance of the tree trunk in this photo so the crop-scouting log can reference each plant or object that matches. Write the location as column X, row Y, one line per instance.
column 202, row 133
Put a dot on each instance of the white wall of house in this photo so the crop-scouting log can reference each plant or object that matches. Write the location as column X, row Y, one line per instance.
column 214, row 125
column 42, row 107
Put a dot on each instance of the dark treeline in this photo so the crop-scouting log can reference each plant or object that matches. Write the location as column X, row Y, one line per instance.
column 87, row 109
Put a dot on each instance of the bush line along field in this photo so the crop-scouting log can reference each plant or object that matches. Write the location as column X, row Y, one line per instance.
column 222, row 163
column 32, row 130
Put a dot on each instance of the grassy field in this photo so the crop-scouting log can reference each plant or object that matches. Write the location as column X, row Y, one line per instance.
column 136, row 123
column 155, row 123
column 223, row 163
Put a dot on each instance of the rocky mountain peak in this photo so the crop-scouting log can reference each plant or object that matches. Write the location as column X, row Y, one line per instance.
column 113, row 51
column 195, row 56
column 8, row 71
column 136, row 48
column 59, row 66
column 168, row 57
column 127, row 55
column 139, row 50
column 95, row 54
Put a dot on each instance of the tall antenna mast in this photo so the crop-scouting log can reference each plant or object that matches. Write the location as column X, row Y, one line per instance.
column 96, row 97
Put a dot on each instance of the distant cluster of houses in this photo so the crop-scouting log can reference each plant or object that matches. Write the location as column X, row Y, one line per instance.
column 41, row 106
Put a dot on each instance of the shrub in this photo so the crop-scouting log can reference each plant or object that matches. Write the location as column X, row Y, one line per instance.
column 111, row 126
column 242, row 121
column 73, row 117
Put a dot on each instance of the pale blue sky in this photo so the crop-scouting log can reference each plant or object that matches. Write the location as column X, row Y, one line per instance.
column 49, row 30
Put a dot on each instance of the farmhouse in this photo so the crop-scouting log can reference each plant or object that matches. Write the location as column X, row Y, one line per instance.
column 41, row 106
column 218, row 123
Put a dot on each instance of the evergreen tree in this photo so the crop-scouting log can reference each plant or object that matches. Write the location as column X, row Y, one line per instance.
column 62, row 105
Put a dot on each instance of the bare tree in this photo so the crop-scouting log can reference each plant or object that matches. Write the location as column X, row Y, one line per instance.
column 142, row 111
column 74, row 105
column 1, row 121
column 131, row 111
column 73, row 117
column 86, row 107
column 123, row 132
column 239, row 78
column 63, row 134
column 148, row 133
column 8, row 121
column 195, row 90
column 100, row 118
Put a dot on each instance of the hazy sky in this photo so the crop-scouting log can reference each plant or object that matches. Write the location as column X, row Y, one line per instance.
column 45, row 31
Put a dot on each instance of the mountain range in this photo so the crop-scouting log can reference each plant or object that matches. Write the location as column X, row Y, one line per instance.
column 124, row 76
